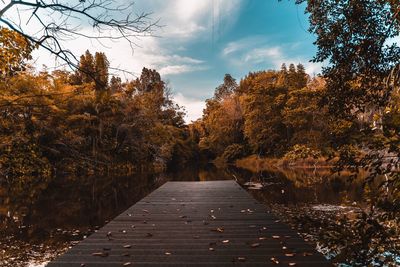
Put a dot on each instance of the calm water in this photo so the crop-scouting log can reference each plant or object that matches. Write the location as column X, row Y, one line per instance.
column 51, row 215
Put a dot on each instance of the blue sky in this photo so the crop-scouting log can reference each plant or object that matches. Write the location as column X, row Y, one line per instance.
column 201, row 40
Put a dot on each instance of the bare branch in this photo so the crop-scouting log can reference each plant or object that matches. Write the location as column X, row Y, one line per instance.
column 62, row 20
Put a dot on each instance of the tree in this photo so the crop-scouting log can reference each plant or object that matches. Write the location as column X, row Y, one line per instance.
column 355, row 39
column 50, row 23
column 15, row 49
column 101, row 66
column 222, row 119
column 226, row 89
column 263, row 103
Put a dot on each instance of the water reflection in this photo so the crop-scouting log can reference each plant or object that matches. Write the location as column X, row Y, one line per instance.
column 286, row 186
column 67, row 208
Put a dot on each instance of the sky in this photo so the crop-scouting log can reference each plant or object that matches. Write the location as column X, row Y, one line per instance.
column 199, row 41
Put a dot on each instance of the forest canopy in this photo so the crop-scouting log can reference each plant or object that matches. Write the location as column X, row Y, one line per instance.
column 83, row 122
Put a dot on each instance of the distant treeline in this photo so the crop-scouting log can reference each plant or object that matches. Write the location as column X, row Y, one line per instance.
column 274, row 113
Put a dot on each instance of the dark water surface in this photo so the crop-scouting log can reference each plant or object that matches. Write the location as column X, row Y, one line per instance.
column 38, row 223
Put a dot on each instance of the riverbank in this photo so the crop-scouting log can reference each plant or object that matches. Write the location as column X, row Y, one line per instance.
column 254, row 163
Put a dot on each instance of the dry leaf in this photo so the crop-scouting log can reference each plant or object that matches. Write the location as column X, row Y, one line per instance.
column 241, row 259
column 211, row 249
column 292, row 264
column 127, row 246
column 255, row 245
column 262, row 238
column 225, row 241
column 127, row 264
column 167, row 253
column 100, row 254
column 307, row 254
column 276, row 237
column 290, row 254
column 274, row 260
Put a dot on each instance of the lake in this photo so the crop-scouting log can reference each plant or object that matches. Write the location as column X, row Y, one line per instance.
column 43, row 218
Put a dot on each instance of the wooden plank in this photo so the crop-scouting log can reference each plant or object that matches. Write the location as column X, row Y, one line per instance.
column 213, row 223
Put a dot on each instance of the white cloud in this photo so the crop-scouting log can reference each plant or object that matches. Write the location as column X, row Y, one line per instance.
column 243, row 44
column 194, row 107
column 179, row 69
column 259, row 55
column 257, row 52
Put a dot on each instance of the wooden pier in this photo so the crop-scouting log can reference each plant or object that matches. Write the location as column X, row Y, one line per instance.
column 194, row 224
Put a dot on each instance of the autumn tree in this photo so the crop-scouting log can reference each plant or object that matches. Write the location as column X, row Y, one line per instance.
column 354, row 39
column 263, row 103
column 15, row 49
column 101, row 66
column 222, row 119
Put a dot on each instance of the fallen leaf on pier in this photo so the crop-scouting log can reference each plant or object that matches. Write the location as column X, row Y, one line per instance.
column 127, row 264
column 307, row 254
column 127, row 246
column 167, row 253
column 255, row 245
column 219, row 230
column 100, row 254
column 225, row 241
column 290, row 254
column 292, row 264
column 274, row 260
column 211, row 249
column 262, row 238
column 145, row 210
column 276, row 237
column 242, row 259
